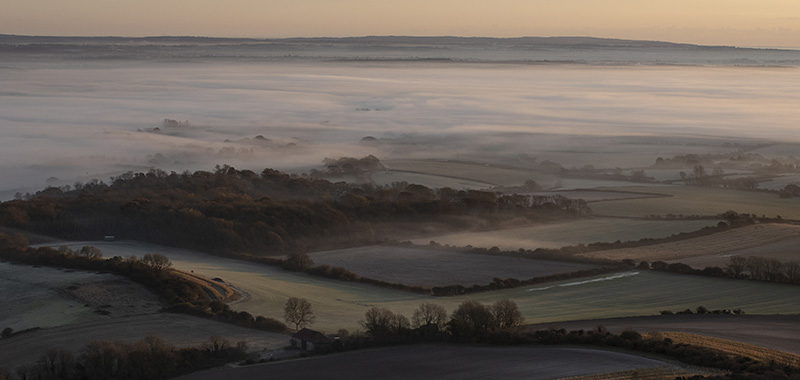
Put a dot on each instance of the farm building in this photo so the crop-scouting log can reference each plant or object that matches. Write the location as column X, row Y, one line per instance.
column 311, row 338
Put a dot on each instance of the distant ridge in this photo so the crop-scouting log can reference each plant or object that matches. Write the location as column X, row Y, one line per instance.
column 386, row 40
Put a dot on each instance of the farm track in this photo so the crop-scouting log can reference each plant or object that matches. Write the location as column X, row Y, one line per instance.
column 727, row 241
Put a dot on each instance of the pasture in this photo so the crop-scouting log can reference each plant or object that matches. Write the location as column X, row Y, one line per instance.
column 387, row 177
column 444, row 362
column 784, row 251
column 758, row 239
column 572, row 232
column 432, row 267
column 48, row 297
column 696, row 200
column 484, row 173
column 339, row 304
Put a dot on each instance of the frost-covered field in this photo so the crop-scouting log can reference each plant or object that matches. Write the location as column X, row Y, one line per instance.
column 432, row 267
column 340, row 304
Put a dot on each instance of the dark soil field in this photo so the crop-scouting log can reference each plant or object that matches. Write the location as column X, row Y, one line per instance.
column 779, row 332
column 430, row 267
column 442, row 362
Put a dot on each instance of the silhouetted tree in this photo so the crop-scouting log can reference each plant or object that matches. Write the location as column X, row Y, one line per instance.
column 298, row 311
column 430, row 314
column 507, row 314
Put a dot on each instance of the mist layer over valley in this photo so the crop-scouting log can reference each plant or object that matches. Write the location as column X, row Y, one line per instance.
column 72, row 110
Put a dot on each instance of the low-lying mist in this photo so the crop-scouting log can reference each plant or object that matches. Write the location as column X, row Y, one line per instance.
column 77, row 120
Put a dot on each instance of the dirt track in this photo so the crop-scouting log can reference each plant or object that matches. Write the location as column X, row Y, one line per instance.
column 779, row 332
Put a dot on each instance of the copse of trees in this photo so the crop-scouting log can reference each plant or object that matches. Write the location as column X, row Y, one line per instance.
column 471, row 321
column 229, row 210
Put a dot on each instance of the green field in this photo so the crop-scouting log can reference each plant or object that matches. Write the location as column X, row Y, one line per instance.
column 341, row 304
column 500, row 176
column 695, row 200
column 573, row 232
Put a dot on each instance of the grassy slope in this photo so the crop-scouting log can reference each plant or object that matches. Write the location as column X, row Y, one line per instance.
column 341, row 304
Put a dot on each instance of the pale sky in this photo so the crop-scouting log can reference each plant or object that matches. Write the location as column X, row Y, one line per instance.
column 760, row 23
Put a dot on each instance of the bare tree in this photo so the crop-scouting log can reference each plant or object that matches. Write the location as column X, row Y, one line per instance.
column 472, row 320
column 792, row 272
column 157, row 261
column 429, row 314
column 378, row 321
column 91, row 252
column 507, row 314
column 737, row 265
column 298, row 311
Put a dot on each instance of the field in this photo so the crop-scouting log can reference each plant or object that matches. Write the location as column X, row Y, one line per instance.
column 732, row 347
column 695, row 200
column 47, row 297
column 596, row 195
column 388, row 177
column 340, row 304
column 444, row 362
column 719, row 246
column 781, row 182
column 177, row 329
column 777, row 332
column 431, row 267
column 783, row 250
column 573, row 232
column 484, row 173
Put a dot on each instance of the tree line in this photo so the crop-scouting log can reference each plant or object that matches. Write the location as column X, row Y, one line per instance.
column 149, row 359
column 471, row 321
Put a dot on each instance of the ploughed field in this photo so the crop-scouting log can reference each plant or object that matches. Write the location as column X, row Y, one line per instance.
column 339, row 304
column 572, row 232
column 444, row 362
column 424, row 267
column 772, row 240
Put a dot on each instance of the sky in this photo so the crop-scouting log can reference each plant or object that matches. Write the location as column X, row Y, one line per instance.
column 751, row 23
